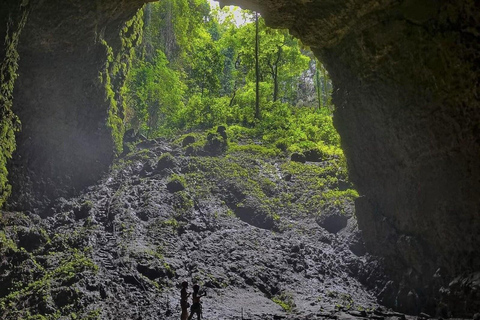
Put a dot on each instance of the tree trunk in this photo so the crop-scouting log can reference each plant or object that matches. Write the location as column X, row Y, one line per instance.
column 325, row 87
column 318, row 84
column 275, row 85
column 275, row 73
column 257, row 71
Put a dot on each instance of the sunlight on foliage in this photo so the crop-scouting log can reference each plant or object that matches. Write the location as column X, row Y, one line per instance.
column 195, row 69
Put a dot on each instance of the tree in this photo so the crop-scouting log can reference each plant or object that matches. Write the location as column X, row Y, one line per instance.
column 318, row 84
column 280, row 59
column 257, row 70
column 154, row 94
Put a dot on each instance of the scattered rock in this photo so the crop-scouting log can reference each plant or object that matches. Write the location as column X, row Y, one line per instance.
column 83, row 211
column 147, row 170
column 126, row 149
column 146, row 143
column 215, row 144
column 315, row 155
column 361, row 313
column 189, row 151
column 222, row 131
column 129, row 136
column 298, row 157
column 31, row 238
column 150, row 272
column 333, row 221
column 175, row 186
column 166, row 161
column 188, row 140
column 243, row 249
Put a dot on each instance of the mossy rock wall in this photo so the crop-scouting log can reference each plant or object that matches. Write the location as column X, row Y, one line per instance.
column 73, row 62
column 14, row 16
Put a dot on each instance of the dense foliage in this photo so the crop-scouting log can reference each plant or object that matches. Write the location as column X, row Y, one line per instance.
column 9, row 122
column 195, row 69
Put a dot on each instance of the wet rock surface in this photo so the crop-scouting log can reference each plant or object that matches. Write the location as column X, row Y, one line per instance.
column 130, row 242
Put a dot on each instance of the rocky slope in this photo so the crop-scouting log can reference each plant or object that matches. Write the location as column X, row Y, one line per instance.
column 243, row 226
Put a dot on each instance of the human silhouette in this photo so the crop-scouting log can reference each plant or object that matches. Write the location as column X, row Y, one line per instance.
column 196, row 304
column 184, row 294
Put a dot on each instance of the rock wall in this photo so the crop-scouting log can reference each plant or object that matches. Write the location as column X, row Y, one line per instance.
column 407, row 95
column 14, row 16
column 67, row 96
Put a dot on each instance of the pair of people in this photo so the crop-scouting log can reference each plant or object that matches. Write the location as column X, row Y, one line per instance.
column 196, row 304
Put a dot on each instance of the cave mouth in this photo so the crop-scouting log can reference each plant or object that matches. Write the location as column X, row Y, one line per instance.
column 121, row 234
column 406, row 108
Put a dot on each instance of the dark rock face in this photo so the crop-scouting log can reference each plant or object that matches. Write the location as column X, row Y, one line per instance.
column 409, row 122
column 406, row 76
column 65, row 143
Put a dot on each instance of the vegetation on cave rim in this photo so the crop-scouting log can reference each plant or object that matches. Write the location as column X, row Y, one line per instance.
column 114, row 74
column 195, row 70
column 9, row 122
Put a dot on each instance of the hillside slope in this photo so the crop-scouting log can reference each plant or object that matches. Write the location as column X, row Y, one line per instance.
column 263, row 235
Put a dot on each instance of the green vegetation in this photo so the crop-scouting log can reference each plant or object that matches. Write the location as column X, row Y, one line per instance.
column 182, row 203
column 113, row 77
column 43, row 285
column 196, row 69
column 194, row 80
column 9, row 122
column 285, row 300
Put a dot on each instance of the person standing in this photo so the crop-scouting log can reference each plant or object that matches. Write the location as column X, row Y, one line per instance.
column 196, row 304
column 184, row 294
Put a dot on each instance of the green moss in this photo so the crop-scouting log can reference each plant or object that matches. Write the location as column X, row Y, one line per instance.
column 238, row 174
column 182, row 202
column 179, row 178
column 338, row 198
column 88, row 204
column 348, row 194
column 236, row 133
column 66, row 273
column 255, row 149
column 6, row 243
column 285, row 300
column 114, row 74
column 172, row 223
column 9, row 122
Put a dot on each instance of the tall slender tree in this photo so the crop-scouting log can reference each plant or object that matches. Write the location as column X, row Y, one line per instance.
column 257, row 70
column 318, row 85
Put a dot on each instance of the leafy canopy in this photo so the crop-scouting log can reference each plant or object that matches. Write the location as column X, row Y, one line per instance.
column 195, row 69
